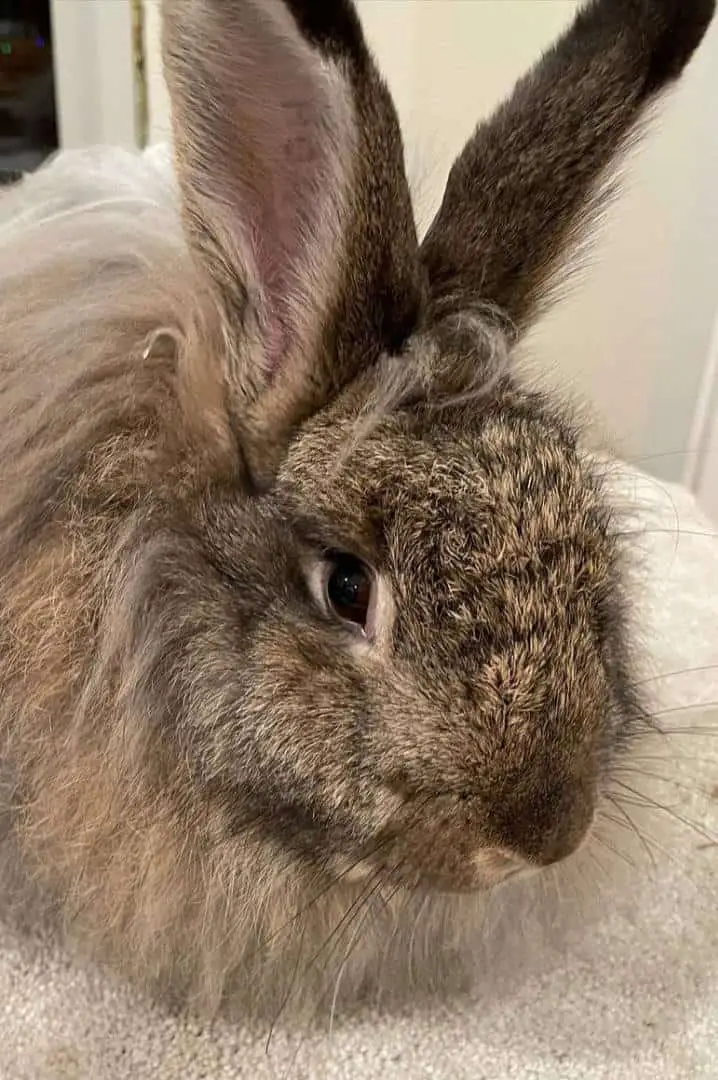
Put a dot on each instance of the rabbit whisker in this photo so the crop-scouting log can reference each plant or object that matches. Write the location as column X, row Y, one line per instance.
column 704, row 668
column 625, row 821
column 641, row 799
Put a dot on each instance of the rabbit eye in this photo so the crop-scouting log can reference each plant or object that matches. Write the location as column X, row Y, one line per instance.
column 349, row 588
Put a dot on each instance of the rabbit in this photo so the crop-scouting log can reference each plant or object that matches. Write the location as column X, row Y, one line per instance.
column 316, row 621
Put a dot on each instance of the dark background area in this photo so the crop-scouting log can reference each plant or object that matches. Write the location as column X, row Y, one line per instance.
column 28, row 119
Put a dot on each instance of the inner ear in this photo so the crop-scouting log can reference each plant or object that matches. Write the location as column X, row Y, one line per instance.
column 296, row 205
column 265, row 138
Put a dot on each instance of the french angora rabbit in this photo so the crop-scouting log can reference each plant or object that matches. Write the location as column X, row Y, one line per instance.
column 314, row 617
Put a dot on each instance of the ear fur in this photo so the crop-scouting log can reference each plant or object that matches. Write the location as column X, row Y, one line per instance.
column 528, row 184
column 296, row 205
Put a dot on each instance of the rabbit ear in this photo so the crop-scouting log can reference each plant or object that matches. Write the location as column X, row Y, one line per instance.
column 290, row 164
column 528, row 182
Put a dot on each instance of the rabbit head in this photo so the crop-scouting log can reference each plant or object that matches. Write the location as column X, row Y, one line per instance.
column 328, row 599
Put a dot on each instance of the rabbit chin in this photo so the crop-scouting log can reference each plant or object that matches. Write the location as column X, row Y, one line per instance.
column 488, row 868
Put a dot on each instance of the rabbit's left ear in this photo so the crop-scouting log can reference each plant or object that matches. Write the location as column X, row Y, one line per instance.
column 291, row 169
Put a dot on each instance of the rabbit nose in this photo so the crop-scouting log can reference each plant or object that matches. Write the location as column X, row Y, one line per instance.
column 546, row 825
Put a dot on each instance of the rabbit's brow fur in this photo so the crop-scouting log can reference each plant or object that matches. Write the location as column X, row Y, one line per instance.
column 203, row 387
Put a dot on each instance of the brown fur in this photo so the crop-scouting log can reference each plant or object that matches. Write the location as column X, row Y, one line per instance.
column 207, row 776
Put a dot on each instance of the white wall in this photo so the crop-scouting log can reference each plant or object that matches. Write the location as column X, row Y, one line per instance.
column 159, row 102
column 94, row 75
column 634, row 338
column 702, row 472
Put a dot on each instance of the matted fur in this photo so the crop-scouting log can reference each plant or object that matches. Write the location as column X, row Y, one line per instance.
column 194, row 756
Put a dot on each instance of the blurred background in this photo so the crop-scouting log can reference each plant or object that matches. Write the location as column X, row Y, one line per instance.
column 636, row 338
column 28, row 115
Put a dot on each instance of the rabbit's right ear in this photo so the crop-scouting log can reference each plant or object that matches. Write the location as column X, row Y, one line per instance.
column 527, row 185
column 290, row 163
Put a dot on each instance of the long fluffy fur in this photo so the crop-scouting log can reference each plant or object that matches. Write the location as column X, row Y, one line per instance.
column 107, row 406
column 104, row 276
column 90, row 388
column 101, row 328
